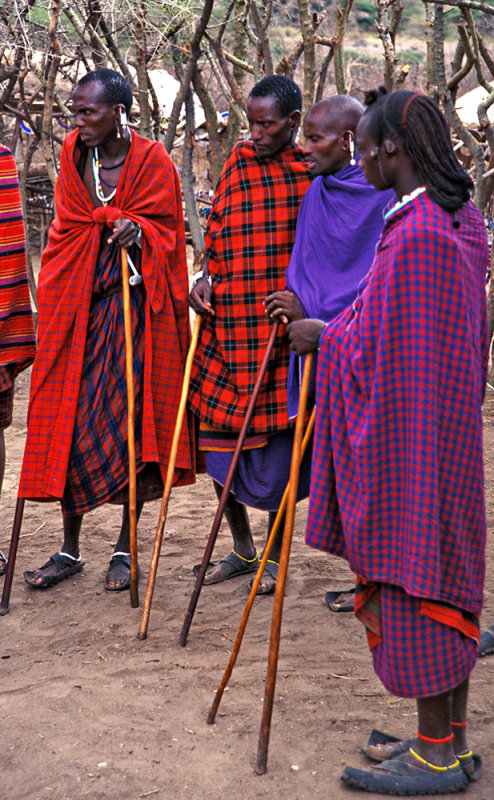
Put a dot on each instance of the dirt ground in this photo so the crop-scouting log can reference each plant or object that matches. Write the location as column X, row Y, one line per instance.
column 89, row 711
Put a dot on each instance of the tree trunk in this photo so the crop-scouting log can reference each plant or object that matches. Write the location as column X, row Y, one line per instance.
column 188, row 181
column 54, row 63
column 141, row 66
column 309, row 55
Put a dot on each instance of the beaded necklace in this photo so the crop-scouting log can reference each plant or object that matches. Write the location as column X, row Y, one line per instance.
column 96, row 166
column 404, row 200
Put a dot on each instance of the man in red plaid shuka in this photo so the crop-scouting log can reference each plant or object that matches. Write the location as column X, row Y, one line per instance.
column 397, row 484
column 17, row 340
column 250, row 236
column 115, row 190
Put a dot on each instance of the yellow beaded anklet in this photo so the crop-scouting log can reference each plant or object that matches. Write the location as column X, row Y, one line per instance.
column 247, row 560
column 455, row 763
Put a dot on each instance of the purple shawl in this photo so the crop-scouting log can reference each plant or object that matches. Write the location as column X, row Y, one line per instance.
column 338, row 226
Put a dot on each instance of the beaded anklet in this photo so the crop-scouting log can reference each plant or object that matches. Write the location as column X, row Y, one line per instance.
column 454, row 765
column 435, row 741
column 247, row 560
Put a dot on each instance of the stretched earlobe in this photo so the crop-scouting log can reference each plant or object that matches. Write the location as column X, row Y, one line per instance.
column 351, row 148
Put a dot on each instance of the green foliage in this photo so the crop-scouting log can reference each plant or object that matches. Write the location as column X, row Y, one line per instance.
column 361, row 57
column 38, row 18
column 412, row 57
column 365, row 15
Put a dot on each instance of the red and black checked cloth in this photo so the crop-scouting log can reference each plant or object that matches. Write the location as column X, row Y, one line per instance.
column 397, row 475
column 17, row 340
column 249, row 240
column 148, row 193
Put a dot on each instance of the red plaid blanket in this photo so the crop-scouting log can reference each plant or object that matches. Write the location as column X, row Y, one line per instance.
column 148, row 193
column 17, row 341
column 249, row 240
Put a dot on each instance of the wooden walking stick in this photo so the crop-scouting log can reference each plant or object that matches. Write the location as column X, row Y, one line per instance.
column 264, row 560
column 146, row 609
column 226, row 488
column 14, row 541
column 129, row 372
column 274, row 644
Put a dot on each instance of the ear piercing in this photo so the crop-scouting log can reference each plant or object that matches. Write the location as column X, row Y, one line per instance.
column 351, row 144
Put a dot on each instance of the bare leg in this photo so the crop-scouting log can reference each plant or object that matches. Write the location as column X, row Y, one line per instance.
column 459, row 715
column 238, row 521
column 118, row 573
column 243, row 543
column 268, row 580
column 434, row 722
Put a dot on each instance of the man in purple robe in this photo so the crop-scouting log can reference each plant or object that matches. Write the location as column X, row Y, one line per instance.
column 339, row 224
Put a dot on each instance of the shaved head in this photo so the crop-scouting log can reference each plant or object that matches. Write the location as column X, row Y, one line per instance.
column 329, row 130
column 340, row 112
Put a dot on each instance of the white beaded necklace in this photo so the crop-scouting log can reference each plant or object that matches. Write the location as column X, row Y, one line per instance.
column 95, row 165
column 407, row 198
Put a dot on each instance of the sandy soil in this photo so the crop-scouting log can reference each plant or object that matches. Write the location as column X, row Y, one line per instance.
column 89, row 711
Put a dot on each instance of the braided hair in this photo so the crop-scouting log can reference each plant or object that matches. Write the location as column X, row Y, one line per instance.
column 283, row 90
column 116, row 90
column 416, row 123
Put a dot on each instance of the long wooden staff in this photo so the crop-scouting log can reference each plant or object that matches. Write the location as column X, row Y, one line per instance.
column 129, row 372
column 146, row 609
column 226, row 488
column 267, row 550
column 14, row 541
column 274, row 644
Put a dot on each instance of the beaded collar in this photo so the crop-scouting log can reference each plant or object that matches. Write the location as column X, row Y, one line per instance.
column 407, row 198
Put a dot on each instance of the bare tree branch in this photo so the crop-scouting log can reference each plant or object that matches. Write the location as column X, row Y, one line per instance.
column 473, row 4
column 188, row 73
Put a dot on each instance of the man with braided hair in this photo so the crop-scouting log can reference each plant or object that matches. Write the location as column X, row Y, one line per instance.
column 116, row 190
column 249, row 239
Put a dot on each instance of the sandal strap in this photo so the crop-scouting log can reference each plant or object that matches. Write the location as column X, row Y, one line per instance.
column 120, row 558
column 62, row 560
column 66, row 555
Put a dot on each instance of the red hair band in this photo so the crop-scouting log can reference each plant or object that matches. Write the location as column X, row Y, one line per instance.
column 407, row 106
